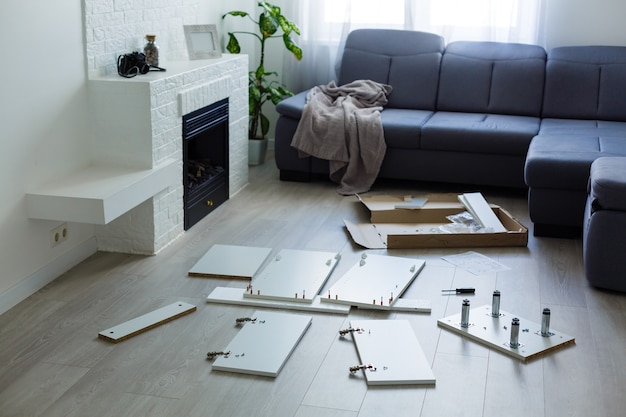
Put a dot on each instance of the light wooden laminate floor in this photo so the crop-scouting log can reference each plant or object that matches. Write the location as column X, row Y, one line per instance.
column 53, row 364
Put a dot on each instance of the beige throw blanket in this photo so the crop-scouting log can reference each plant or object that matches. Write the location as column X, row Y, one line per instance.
column 342, row 125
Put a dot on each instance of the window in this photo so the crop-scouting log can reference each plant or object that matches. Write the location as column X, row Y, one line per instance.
column 365, row 12
column 474, row 13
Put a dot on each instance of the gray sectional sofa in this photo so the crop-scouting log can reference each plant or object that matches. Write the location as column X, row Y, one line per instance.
column 484, row 113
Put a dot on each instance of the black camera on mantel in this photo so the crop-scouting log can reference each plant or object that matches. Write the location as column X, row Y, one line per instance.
column 132, row 64
column 129, row 65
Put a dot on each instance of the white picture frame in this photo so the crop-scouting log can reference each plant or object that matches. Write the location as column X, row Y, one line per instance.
column 202, row 41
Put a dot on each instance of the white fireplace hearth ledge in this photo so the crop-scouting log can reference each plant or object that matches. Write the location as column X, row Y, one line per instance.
column 98, row 194
column 135, row 166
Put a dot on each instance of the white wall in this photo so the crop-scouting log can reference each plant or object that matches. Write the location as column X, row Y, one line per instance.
column 43, row 73
column 43, row 134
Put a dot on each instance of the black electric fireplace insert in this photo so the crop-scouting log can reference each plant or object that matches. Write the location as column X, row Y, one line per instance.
column 205, row 161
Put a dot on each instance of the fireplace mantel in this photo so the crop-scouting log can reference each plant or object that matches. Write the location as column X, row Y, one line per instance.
column 136, row 152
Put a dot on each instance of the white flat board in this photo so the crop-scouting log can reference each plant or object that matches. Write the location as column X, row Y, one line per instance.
column 294, row 275
column 234, row 296
column 375, row 282
column 476, row 204
column 393, row 349
column 263, row 346
column 226, row 261
column 411, row 306
column 146, row 322
column 495, row 332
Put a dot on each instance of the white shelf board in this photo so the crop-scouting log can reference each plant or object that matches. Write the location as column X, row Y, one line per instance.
column 294, row 275
column 99, row 194
column 234, row 296
column 146, row 322
column 495, row 332
column 392, row 348
column 371, row 282
column 226, row 261
column 263, row 346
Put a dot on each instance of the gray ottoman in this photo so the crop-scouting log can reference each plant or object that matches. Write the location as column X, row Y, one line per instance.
column 604, row 232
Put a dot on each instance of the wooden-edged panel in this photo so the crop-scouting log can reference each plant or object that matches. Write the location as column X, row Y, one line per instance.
column 227, row 261
column 495, row 332
column 146, row 322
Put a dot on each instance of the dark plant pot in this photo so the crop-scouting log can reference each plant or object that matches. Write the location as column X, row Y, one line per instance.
column 257, row 148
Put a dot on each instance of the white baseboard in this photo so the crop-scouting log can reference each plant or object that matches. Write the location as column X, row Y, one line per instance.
column 47, row 274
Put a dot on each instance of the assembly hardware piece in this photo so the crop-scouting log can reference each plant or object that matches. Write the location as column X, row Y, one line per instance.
column 242, row 320
column 355, row 369
column 212, row 355
column 349, row 330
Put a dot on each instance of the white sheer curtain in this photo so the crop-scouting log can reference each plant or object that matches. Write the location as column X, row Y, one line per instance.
column 326, row 23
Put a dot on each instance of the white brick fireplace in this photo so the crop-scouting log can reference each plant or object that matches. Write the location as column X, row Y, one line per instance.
column 132, row 187
column 138, row 124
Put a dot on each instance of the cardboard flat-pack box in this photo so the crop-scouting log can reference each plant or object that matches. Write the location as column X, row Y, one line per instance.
column 404, row 228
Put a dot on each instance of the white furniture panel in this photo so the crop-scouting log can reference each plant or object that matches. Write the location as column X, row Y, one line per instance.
column 234, row 296
column 146, row 322
column 394, row 352
column 376, row 282
column 263, row 346
column 230, row 262
column 294, row 275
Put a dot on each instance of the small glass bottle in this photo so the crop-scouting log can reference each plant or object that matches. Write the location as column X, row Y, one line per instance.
column 151, row 50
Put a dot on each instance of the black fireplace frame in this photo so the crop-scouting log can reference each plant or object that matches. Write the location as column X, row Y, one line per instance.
column 205, row 144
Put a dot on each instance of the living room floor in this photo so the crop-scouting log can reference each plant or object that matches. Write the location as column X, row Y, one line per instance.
column 54, row 364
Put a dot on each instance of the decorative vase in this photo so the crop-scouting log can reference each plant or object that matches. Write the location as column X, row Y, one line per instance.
column 257, row 148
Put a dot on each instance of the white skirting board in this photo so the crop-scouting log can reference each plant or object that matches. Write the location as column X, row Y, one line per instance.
column 235, row 296
column 146, row 322
column 495, row 332
column 393, row 351
column 226, row 261
column 376, row 282
column 263, row 346
column 294, row 275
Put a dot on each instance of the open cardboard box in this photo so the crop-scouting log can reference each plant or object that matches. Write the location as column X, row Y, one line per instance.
column 393, row 228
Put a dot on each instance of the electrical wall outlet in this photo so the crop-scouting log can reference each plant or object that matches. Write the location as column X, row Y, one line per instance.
column 58, row 234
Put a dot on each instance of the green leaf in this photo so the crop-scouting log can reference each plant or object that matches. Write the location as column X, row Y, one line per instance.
column 268, row 25
column 292, row 47
column 265, row 125
column 233, row 44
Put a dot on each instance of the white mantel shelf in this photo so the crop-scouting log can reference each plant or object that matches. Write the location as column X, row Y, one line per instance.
column 98, row 194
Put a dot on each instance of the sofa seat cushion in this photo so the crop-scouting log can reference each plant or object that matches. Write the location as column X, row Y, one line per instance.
column 402, row 127
column 563, row 161
column 479, row 133
column 607, row 183
column 582, row 127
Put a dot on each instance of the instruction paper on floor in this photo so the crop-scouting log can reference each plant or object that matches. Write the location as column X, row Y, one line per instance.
column 475, row 263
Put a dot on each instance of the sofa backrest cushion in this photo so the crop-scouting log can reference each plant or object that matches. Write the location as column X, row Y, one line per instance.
column 492, row 77
column 586, row 82
column 407, row 60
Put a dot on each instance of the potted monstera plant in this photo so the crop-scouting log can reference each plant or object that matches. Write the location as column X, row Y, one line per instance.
column 264, row 86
